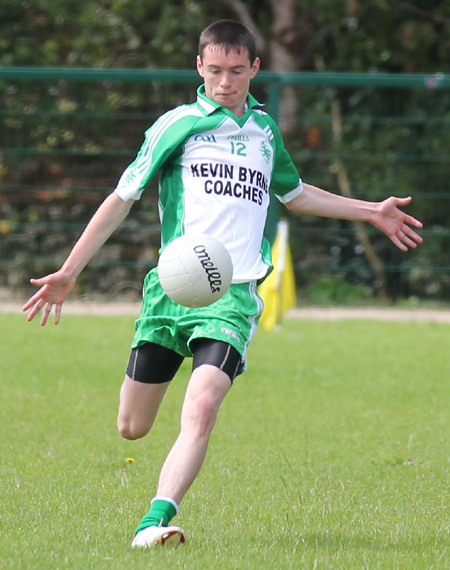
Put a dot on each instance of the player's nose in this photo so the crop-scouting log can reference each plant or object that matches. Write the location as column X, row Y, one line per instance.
column 225, row 79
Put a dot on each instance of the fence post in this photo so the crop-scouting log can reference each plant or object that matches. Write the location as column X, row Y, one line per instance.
column 273, row 100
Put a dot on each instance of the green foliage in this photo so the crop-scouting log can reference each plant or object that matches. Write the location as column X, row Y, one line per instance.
column 392, row 142
column 336, row 36
column 329, row 289
column 331, row 452
column 71, row 141
column 121, row 33
column 381, row 36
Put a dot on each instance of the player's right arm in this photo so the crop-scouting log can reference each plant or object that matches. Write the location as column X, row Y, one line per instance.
column 55, row 288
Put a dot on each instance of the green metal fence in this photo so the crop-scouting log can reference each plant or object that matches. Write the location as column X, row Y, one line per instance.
column 67, row 134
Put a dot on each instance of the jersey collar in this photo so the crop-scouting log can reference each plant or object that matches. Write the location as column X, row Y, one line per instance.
column 209, row 106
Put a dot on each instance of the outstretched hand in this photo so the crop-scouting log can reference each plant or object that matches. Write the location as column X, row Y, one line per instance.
column 391, row 220
column 54, row 290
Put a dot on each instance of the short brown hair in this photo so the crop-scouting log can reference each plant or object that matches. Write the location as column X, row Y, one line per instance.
column 229, row 35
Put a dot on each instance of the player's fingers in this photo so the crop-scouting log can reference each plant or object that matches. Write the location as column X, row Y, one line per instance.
column 412, row 234
column 403, row 201
column 407, row 237
column 57, row 313
column 39, row 282
column 31, row 301
column 413, row 221
column 32, row 314
column 46, row 313
column 35, row 308
column 399, row 243
column 35, row 299
column 407, row 241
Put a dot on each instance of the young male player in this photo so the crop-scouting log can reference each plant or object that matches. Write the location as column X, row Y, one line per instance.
column 218, row 160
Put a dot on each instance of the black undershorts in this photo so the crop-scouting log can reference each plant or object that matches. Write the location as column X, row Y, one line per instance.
column 155, row 364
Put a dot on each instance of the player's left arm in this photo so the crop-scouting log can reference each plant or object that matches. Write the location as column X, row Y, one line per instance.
column 387, row 215
column 56, row 287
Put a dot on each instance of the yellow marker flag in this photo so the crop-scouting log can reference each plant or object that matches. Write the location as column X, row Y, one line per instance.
column 278, row 290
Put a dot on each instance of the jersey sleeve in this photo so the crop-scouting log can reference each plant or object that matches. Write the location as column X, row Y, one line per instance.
column 286, row 183
column 161, row 140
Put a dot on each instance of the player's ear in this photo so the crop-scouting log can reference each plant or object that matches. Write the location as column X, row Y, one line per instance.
column 255, row 67
column 200, row 66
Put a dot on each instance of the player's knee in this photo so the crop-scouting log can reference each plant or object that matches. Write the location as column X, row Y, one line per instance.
column 201, row 413
column 130, row 429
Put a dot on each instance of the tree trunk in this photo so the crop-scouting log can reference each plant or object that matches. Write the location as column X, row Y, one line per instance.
column 282, row 59
column 278, row 50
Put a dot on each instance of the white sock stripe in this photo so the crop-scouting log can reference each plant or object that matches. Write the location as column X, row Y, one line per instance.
column 168, row 499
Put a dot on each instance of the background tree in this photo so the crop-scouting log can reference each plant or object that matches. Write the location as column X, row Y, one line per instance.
column 388, row 141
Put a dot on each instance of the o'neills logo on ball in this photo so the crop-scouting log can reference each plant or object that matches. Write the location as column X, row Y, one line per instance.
column 213, row 274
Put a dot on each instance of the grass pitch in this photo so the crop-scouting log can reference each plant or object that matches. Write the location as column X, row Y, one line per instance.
column 331, row 452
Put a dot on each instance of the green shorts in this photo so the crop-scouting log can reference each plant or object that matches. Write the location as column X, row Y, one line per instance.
column 232, row 319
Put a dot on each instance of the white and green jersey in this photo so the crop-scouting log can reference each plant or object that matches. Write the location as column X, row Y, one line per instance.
column 216, row 171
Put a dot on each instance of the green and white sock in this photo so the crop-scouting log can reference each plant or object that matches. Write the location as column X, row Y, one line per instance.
column 162, row 510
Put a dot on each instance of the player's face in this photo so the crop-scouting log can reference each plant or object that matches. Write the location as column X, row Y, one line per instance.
column 227, row 76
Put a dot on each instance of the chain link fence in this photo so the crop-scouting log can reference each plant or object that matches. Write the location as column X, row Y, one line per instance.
column 67, row 135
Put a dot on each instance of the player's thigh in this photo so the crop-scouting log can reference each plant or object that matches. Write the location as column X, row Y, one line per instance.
column 206, row 390
column 138, row 405
column 215, row 365
column 150, row 369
